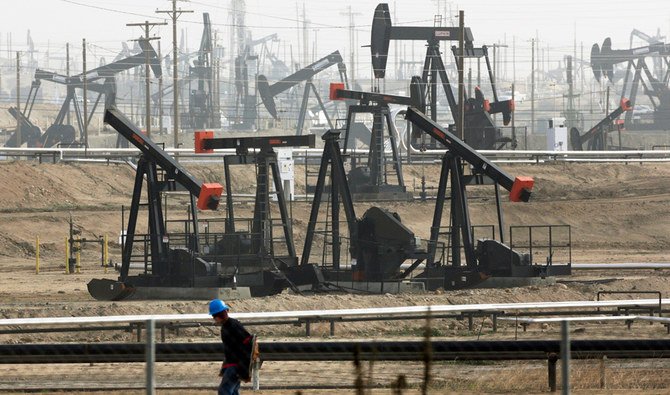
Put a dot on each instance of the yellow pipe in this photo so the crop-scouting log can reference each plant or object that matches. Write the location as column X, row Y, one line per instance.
column 37, row 255
column 67, row 256
column 77, row 265
column 105, row 251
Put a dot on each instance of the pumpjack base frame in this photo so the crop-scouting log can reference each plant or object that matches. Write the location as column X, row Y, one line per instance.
column 343, row 279
column 171, row 293
column 382, row 194
column 460, row 277
column 148, row 287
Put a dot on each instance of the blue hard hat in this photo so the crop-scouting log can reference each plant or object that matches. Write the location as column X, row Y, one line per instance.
column 216, row 306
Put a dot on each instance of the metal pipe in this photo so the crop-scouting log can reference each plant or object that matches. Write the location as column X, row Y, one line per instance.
column 497, row 350
column 565, row 357
column 150, row 358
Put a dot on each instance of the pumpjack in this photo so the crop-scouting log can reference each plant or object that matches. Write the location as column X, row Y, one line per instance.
column 194, row 264
column 203, row 101
column 167, row 272
column 371, row 180
column 596, row 137
column 269, row 92
column 201, row 85
column 656, row 87
column 255, row 255
column 480, row 131
column 379, row 243
column 31, row 134
column 486, row 257
column 100, row 80
column 246, row 114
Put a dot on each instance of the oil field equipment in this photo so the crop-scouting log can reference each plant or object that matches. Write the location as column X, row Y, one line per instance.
column 201, row 83
column 480, row 131
column 167, row 272
column 489, row 257
column 254, row 255
column 203, row 105
column 596, row 137
column 269, row 92
column 371, row 180
column 246, row 114
column 655, row 87
column 379, row 243
column 100, row 80
column 31, row 135
column 74, row 245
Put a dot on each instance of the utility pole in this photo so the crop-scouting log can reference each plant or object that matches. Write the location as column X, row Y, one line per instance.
column 513, row 59
column 67, row 72
column 532, row 86
column 459, row 59
column 175, row 14
column 83, row 52
column 160, row 92
column 147, row 79
column 496, row 60
column 352, row 43
column 18, row 98
column 305, row 36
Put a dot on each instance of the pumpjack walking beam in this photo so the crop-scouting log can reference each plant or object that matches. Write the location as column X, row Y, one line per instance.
column 519, row 187
column 269, row 92
column 595, row 137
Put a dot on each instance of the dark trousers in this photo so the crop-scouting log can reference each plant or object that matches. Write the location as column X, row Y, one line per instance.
column 230, row 382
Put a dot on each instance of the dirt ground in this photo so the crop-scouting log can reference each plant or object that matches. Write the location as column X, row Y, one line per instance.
column 617, row 213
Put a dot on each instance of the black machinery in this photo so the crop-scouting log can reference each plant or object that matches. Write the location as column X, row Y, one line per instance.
column 370, row 181
column 31, row 134
column 379, row 243
column 100, row 80
column 489, row 257
column 603, row 60
column 195, row 264
column 203, row 101
column 246, row 114
column 480, row 131
column 167, row 272
column 269, row 92
column 201, row 83
column 254, row 254
column 596, row 137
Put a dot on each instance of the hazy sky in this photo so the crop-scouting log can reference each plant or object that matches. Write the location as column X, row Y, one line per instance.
column 103, row 22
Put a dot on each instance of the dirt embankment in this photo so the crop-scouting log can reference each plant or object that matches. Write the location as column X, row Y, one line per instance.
column 613, row 208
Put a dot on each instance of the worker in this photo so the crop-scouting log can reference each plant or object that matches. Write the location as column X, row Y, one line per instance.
column 238, row 346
